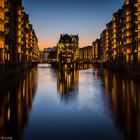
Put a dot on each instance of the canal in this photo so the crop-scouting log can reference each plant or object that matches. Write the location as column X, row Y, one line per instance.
column 86, row 104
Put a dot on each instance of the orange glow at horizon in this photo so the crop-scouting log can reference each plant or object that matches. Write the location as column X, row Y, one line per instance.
column 49, row 44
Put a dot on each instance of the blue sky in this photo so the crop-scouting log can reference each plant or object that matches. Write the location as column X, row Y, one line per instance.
column 87, row 18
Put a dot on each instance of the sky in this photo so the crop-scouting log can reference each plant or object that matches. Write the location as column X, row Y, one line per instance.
column 87, row 18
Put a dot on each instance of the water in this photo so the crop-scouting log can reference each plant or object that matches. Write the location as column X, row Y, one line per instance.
column 89, row 104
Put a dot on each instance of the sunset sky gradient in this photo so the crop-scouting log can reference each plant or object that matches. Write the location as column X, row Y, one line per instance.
column 88, row 18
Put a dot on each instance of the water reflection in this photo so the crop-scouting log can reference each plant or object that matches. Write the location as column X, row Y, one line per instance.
column 67, row 82
column 16, row 98
column 85, row 66
column 102, row 105
column 124, row 99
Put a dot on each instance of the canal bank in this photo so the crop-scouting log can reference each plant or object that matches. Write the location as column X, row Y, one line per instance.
column 132, row 69
column 8, row 71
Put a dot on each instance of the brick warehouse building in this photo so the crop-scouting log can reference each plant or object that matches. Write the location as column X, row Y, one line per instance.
column 120, row 39
column 68, row 49
column 18, row 41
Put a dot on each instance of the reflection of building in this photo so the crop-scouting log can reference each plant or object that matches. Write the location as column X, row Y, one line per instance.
column 85, row 66
column 86, row 53
column 15, row 102
column 124, row 100
column 67, row 82
column 67, row 51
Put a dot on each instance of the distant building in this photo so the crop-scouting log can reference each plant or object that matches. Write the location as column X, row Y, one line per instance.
column 86, row 53
column 48, row 53
column 68, row 48
column 44, row 56
column 97, row 50
column 50, row 49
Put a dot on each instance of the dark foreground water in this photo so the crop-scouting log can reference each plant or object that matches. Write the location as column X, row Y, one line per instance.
column 89, row 104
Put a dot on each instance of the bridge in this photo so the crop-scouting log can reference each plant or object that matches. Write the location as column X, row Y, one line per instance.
column 85, row 61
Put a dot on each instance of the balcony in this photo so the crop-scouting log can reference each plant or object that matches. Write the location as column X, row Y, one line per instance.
column 2, row 9
column 19, row 48
column 128, row 33
column 114, row 46
column 27, row 46
column 136, row 11
column 6, row 31
column 19, row 40
column 128, row 40
column 19, row 20
column 27, row 52
column 128, row 49
column 115, row 52
column 19, row 26
column 6, row 48
column 19, row 34
column 128, row 19
column 1, row 34
column 114, row 36
column 26, row 42
column 2, row 21
column 7, row 5
column 138, row 34
column 19, row 12
column 6, row 19
column 128, row 25
column 136, row 4
column 128, row 12
column 6, row 10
